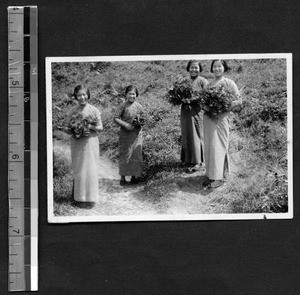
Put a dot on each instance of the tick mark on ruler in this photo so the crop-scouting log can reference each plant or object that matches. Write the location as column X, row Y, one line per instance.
column 15, row 273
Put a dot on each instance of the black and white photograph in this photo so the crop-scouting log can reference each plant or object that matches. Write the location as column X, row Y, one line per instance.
column 179, row 137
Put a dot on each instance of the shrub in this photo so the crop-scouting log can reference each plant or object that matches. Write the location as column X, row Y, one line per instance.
column 62, row 177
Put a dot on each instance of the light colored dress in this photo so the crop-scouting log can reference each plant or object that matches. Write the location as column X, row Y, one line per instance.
column 85, row 157
column 192, row 128
column 216, row 135
column 130, row 142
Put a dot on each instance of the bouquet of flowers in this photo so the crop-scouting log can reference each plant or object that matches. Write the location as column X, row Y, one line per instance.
column 216, row 101
column 139, row 121
column 181, row 93
column 79, row 125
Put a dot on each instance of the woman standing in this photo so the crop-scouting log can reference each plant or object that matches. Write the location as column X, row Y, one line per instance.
column 192, row 122
column 216, row 131
column 130, row 140
column 84, row 147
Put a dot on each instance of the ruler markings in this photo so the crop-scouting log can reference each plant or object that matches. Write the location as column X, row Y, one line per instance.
column 23, row 27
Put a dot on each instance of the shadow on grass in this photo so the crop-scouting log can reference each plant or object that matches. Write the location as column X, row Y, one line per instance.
column 113, row 186
column 161, row 191
column 192, row 185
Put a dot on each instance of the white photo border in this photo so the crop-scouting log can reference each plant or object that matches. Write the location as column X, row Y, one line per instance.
column 234, row 216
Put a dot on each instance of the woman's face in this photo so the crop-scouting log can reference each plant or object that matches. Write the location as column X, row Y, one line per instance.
column 194, row 69
column 82, row 97
column 131, row 95
column 218, row 68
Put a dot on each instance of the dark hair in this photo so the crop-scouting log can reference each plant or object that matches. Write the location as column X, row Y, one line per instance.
column 81, row 87
column 223, row 62
column 131, row 87
column 191, row 62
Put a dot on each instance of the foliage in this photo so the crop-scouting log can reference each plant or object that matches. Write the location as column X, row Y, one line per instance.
column 79, row 125
column 181, row 92
column 62, row 183
column 216, row 100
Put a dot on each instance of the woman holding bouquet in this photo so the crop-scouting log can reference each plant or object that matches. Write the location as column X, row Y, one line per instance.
column 192, row 122
column 130, row 140
column 216, row 123
column 83, row 121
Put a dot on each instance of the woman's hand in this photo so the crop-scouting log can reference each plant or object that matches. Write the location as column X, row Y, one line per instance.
column 67, row 130
column 95, row 128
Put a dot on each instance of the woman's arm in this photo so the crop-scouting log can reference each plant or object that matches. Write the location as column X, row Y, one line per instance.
column 96, row 125
column 238, row 99
column 121, row 123
column 97, row 128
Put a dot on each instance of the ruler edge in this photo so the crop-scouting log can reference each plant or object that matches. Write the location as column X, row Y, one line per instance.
column 34, row 151
column 9, row 165
column 33, row 211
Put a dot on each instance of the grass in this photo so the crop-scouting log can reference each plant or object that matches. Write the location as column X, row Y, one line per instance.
column 64, row 203
column 258, row 137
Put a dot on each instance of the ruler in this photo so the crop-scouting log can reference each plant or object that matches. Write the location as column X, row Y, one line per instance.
column 22, row 148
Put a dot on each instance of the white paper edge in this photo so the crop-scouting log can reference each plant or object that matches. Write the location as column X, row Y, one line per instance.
column 166, row 217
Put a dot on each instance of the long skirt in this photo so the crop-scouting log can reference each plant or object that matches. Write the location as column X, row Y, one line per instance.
column 130, row 153
column 216, row 144
column 85, row 157
column 192, row 136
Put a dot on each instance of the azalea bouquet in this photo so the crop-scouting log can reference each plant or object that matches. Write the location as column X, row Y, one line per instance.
column 216, row 100
column 181, row 93
column 79, row 125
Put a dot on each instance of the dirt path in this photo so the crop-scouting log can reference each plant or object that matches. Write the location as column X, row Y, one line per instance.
column 181, row 193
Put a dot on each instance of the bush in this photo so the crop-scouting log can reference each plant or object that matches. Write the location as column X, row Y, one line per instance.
column 62, row 177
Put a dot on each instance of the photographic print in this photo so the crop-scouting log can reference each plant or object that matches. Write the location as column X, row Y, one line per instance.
column 179, row 137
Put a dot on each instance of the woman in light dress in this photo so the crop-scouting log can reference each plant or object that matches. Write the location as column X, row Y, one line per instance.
column 216, row 131
column 85, row 149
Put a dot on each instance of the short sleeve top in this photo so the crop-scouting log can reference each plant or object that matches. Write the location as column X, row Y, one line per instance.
column 229, row 85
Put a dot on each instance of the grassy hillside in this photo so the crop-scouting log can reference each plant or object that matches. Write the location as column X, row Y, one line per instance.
column 258, row 138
